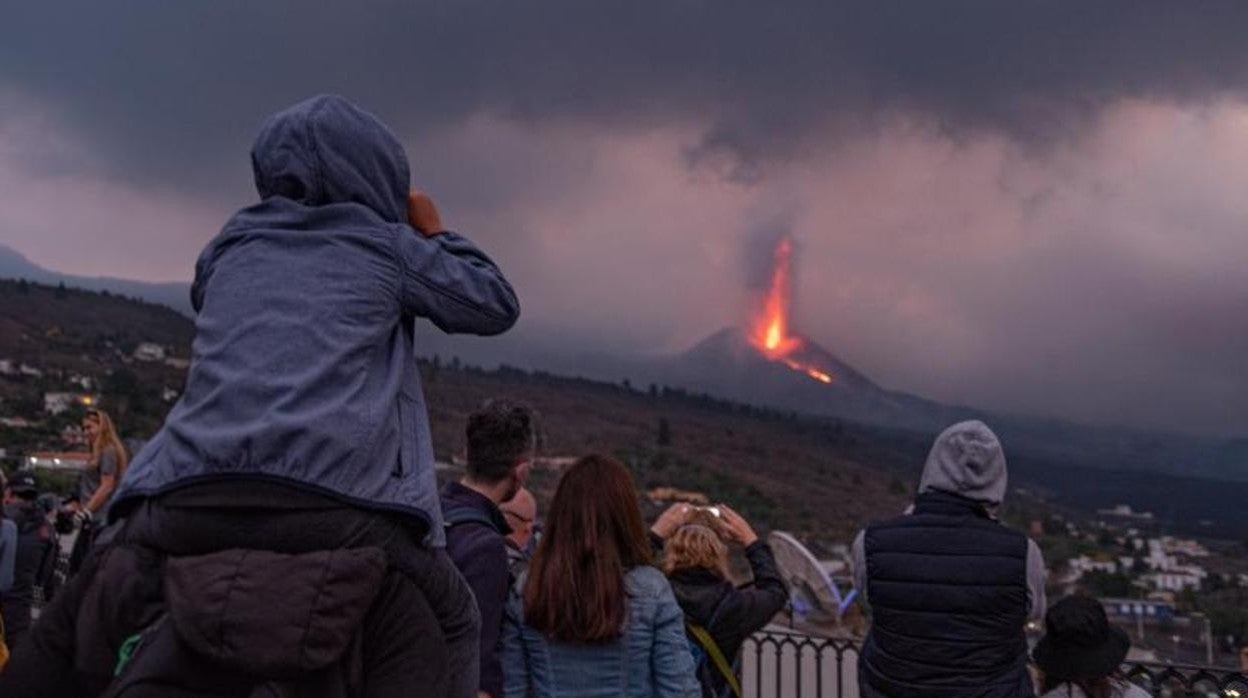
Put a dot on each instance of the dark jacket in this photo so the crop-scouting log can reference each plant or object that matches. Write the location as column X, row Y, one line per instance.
column 728, row 613
column 326, row 624
column 479, row 550
column 303, row 366
column 949, row 597
column 34, row 564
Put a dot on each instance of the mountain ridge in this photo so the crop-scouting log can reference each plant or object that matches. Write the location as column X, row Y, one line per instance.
column 176, row 295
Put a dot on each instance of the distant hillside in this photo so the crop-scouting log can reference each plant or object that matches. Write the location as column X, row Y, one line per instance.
column 43, row 322
column 68, row 335
column 818, row 476
column 776, row 469
column 13, row 265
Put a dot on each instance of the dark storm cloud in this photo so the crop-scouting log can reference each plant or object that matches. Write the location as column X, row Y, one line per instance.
column 1034, row 206
column 162, row 87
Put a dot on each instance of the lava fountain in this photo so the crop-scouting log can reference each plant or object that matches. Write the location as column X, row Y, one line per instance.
column 769, row 331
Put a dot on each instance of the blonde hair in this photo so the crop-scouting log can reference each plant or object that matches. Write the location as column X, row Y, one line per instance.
column 695, row 546
column 107, row 439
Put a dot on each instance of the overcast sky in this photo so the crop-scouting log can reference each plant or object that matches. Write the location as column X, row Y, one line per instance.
column 1029, row 206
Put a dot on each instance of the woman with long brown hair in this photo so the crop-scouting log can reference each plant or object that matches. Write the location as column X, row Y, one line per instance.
column 592, row 617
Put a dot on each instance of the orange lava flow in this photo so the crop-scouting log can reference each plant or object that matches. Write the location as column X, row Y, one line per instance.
column 770, row 331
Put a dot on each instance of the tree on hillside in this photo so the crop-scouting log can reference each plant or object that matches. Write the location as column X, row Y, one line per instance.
column 61, row 292
column 1113, row 584
column 665, row 432
column 23, row 287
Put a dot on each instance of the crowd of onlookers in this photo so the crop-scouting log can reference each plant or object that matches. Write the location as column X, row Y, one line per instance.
column 588, row 600
column 32, row 524
column 283, row 533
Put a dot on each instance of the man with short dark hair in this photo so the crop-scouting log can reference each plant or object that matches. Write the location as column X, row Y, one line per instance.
column 502, row 440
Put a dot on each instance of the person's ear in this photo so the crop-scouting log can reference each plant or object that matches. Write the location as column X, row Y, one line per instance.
column 522, row 471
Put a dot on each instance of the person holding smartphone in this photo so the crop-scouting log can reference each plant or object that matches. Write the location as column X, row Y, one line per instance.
column 719, row 615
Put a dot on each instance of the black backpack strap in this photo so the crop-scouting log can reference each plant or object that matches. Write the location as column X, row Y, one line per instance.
column 716, row 657
column 723, row 665
column 456, row 515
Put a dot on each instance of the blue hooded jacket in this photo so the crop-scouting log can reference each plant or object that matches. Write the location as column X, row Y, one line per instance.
column 303, row 368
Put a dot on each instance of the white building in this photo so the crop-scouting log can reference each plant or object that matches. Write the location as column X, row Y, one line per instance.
column 56, row 403
column 1124, row 511
column 175, row 362
column 58, row 461
column 1173, row 581
column 28, row 370
column 6, row 367
column 169, row 395
column 1084, row 564
column 149, row 351
column 1183, row 546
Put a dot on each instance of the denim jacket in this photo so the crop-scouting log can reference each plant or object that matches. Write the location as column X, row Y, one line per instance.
column 303, row 368
column 651, row 658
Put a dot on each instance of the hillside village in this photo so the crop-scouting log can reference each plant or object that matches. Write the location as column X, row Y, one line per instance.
column 1183, row 598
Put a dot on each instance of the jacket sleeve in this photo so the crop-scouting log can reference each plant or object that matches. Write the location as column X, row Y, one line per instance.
column 759, row 603
column 8, row 553
column 484, row 566
column 446, row 279
column 1037, row 603
column 671, row 662
column 515, row 663
column 859, row 554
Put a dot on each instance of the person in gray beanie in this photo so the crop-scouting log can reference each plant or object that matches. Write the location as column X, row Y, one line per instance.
column 950, row 588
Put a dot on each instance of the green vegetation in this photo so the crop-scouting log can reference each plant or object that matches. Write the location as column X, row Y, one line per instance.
column 1103, row 584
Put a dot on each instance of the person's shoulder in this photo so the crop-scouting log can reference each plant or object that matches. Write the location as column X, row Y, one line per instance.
column 647, row 582
column 473, row 538
column 1126, row 689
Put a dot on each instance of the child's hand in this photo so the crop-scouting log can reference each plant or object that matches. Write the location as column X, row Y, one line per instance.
column 423, row 215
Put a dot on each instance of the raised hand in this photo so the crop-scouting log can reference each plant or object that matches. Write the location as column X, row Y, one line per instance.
column 736, row 526
column 423, row 215
column 674, row 517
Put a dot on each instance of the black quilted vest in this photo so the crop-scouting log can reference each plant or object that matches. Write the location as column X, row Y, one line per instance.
column 947, row 588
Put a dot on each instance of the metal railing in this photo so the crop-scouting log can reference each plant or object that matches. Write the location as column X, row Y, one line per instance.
column 786, row 664
column 1168, row 680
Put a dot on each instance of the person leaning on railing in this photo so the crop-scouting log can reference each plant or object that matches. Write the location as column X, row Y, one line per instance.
column 718, row 615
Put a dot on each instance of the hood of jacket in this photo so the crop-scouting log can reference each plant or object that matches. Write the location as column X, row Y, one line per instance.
column 326, row 150
column 966, row 460
column 269, row 614
column 699, row 592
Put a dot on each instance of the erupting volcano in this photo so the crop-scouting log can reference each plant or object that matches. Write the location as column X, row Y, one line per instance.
column 765, row 362
column 769, row 332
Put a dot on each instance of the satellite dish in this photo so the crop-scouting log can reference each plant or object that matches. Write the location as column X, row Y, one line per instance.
column 812, row 593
